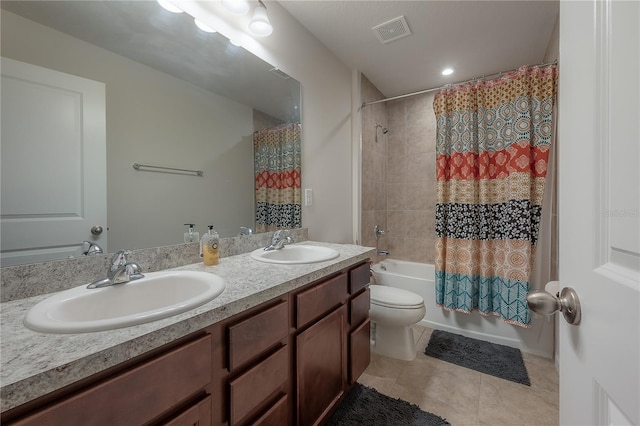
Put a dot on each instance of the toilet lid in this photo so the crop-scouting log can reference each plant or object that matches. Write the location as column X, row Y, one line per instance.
column 393, row 297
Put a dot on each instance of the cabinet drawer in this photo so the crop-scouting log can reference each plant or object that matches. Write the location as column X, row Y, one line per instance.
column 319, row 299
column 360, row 351
column 250, row 392
column 138, row 395
column 197, row 415
column 251, row 337
column 359, row 278
column 359, row 308
column 277, row 414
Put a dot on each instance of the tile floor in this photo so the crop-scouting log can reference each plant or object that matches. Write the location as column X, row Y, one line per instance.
column 466, row 397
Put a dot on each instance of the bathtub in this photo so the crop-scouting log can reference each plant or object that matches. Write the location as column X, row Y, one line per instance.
column 419, row 278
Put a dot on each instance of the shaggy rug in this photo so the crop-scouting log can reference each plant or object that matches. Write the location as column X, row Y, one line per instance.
column 489, row 358
column 364, row 406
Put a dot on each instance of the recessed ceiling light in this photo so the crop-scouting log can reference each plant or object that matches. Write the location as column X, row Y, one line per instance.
column 447, row 71
column 167, row 5
column 204, row 27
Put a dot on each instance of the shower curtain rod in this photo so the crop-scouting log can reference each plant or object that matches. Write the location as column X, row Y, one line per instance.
column 364, row 104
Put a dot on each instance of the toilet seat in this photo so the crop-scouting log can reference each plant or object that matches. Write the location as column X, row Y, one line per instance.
column 397, row 298
column 393, row 311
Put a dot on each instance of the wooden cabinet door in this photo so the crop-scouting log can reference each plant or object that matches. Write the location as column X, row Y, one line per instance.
column 359, row 351
column 138, row 395
column 250, row 392
column 321, row 367
column 277, row 415
column 198, row 414
column 312, row 303
column 254, row 335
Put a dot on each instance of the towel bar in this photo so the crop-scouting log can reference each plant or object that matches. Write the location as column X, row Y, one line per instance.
column 137, row 166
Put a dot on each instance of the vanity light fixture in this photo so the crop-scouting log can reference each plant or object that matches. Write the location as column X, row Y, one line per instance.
column 239, row 7
column 204, row 27
column 167, row 5
column 447, row 71
column 260, row 25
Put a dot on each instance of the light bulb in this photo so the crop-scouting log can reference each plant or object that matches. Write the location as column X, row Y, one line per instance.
column 447, row 71
column 167, row 5
column 260, row 25
column 204, row 27
column 239, row 7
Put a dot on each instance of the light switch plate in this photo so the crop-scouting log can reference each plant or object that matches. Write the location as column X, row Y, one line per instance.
column 308, row 197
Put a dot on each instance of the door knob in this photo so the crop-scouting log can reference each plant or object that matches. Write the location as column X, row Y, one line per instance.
column 96, row 229
column 546, row 303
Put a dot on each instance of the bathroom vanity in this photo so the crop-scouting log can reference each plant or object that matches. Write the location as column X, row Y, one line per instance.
column 281, row 345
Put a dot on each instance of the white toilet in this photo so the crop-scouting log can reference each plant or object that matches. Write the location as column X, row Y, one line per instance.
column 393, row 312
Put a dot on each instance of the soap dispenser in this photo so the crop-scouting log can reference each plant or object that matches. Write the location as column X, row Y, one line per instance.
column 191, row 236
column 209, row 247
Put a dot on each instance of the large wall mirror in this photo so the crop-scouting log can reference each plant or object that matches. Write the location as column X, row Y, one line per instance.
column 172, row 96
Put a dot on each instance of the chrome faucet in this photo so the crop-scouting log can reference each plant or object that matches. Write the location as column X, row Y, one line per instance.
column 280, row 238
column 91, row 248
column 121, row 271
column 245, row 230
column 378, row 232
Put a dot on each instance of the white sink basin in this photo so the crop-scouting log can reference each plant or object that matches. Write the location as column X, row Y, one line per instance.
column 157, row 295
column 295, row 254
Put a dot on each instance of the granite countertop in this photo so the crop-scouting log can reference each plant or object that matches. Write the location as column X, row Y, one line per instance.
column 34, row 364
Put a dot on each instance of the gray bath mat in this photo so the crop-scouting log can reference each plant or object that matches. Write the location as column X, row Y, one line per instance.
column 366, row 406
column 489, row 358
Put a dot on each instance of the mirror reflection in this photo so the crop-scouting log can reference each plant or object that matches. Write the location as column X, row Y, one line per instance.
column 117, row 83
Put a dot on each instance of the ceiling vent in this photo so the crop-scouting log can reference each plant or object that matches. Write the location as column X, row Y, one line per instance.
column 392, row 30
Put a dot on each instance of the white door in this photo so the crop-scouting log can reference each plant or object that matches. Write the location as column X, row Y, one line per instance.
column 53, row 163
column 599, row 179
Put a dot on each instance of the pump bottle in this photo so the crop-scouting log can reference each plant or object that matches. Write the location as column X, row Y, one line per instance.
column 209, row 247
column 191, row 236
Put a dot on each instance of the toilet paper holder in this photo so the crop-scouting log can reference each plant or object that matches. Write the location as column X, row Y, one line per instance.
column 543, row 302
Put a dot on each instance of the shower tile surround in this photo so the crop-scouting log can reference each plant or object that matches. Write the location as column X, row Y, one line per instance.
column 34, row 364
column 399, row 175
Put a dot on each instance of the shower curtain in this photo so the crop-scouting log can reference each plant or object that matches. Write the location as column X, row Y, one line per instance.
column 277, row 158
column 493, row 143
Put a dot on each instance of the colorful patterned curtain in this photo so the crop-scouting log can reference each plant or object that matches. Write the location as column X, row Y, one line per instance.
column 277, row 157
column 493, row 141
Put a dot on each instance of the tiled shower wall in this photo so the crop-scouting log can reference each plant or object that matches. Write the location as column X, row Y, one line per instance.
column 398, row 175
